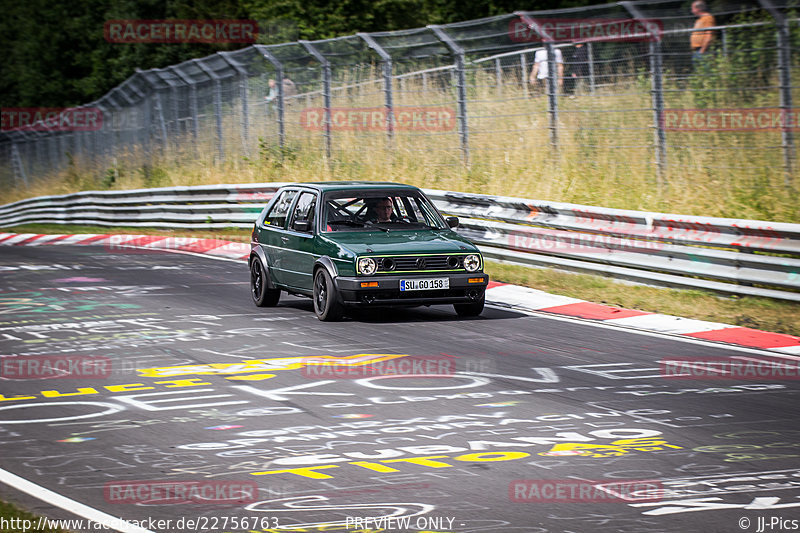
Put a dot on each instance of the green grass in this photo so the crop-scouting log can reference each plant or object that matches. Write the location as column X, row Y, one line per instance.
column 758, row 313
column 9, row 511
column 605, row 155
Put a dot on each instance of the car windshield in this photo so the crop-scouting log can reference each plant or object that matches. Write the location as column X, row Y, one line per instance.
column 383, row 210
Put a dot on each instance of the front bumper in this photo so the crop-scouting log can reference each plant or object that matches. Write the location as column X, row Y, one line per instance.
column 388, row 290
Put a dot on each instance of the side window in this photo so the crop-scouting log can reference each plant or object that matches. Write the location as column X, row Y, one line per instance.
column 304, row 209
column 280, row 210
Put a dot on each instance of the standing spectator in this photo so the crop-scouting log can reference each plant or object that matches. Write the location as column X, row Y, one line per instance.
column 701, row 40
column 289, row 90
column 539, row 71
column 272, row 95
column 578, row 68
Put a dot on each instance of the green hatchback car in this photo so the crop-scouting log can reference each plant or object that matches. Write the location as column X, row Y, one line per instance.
column 362, row 244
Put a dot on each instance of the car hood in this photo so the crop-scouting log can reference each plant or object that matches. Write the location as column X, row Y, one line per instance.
column 402, row 242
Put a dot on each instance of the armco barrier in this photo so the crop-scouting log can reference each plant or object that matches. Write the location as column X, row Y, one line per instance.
column 743, row 257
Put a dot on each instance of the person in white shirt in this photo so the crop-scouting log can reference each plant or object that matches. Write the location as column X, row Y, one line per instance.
column 539, row 71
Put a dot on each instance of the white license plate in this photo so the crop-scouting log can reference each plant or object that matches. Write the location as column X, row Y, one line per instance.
column 425, row 284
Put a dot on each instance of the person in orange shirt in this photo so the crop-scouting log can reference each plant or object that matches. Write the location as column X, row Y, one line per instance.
column 700, row 40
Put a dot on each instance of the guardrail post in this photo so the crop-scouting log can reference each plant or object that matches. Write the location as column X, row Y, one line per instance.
column 461, row 88
column 217, row 106
column 387, row 81
column 656, row 91
column 552, row 75
column 326, row 93
column 281, row 107
column 785, row 86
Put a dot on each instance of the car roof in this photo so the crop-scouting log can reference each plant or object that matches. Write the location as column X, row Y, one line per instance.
column 326, row 186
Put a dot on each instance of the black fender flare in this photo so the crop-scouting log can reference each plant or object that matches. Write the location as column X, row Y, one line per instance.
column 258, row 253
column 326, row 263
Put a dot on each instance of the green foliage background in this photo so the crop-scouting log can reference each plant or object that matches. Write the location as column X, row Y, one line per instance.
column 55, row 55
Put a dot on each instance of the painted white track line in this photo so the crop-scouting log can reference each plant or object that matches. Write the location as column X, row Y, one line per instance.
column 84, row 511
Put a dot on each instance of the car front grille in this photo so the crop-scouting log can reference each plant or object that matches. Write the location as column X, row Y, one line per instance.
column 421, row 263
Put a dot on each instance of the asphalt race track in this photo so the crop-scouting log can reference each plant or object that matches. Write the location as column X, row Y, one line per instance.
column 186, row 402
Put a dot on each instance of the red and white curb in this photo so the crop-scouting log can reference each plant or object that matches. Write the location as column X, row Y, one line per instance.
column 534, row 300
column 117, row 242
column 512, row 296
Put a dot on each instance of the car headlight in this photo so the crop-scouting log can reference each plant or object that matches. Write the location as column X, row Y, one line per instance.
column 472, row 262
column 367, row 266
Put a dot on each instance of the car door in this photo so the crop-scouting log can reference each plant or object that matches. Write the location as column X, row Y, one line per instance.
column 273, row 236
column 298, row 260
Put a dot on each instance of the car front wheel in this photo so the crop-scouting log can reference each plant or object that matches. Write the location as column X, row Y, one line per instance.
column 262, row 295
column 326, row 303
column 470, row 309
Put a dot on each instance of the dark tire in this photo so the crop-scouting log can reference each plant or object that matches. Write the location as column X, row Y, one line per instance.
column 326, row 303
column 262, row 295
column 470, row 309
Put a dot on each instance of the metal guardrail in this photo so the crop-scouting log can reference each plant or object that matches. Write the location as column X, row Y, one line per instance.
column 743, row 257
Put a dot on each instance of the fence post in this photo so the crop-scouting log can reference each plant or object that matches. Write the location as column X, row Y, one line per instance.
column 101, row 135
column 785, row 86
column 656, row 91
column 217, row 105
column 162, row 125
column 17, row 166
column 387, row 81
column 279, row 73
column 590, row 52
column 326, row 93
column 192, row 103
column 523, row 65
column 461, row 87
column 552, row 75
column 552, row 93
column 242, row 72
column 724, row 43
column 498, row 75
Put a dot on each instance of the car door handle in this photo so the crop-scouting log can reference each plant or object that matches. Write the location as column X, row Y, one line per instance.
column 285, row 239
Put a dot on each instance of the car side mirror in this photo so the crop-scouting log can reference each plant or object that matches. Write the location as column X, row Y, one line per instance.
column 302, row 225
column 452, row 222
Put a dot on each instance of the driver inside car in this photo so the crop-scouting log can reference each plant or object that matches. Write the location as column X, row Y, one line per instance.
column 380, row 210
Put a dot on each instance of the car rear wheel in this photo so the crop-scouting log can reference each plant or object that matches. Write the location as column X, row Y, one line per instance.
column 262, row 295
column 326, row 303
column 470, row 309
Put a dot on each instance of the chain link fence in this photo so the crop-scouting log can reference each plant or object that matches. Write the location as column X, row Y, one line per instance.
column 615, row 89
